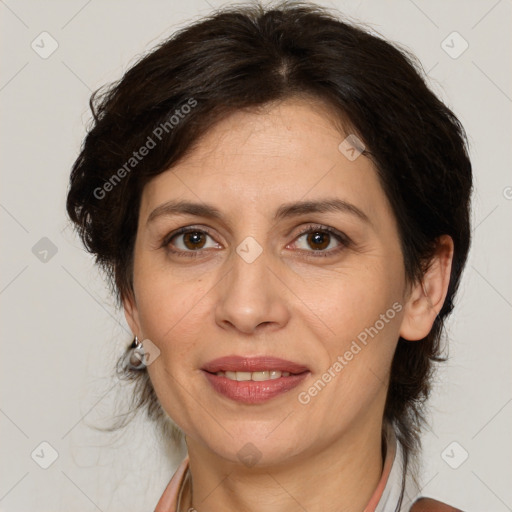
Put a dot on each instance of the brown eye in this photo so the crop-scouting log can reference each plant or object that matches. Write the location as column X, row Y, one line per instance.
column 189, row 241
column 194, row 240
column 321, row 241
column 318, row 241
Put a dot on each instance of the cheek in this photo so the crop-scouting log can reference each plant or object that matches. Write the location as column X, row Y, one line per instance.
column 363, row 325
column 351, row 300
column 361, row 313
column 170, row 308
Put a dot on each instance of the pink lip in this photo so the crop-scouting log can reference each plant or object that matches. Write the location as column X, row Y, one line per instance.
column 253, row 364
column 253, row 392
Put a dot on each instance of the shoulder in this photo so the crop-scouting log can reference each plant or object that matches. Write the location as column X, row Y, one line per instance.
column 431, row 505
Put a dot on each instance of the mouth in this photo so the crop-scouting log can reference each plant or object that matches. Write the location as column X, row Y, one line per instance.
column 254, row 376
column 259, row 364
column 253, row 380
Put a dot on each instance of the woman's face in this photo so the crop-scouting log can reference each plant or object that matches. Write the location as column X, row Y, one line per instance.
column 247, row 283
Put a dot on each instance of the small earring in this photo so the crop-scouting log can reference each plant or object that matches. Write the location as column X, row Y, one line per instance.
column 136, row 356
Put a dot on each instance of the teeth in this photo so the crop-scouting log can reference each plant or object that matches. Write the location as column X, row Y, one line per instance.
column 260, row 376
column 256, row 376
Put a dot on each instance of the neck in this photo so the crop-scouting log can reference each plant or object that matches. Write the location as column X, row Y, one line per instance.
column 340, row 476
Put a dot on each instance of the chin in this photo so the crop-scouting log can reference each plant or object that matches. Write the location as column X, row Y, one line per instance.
column 253, row 449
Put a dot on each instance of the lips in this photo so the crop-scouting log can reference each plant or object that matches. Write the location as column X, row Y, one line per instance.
column 253, row 364
column 279, row 377
column 252, row 392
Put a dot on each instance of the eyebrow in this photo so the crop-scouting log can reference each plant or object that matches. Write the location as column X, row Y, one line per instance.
column 287, row 210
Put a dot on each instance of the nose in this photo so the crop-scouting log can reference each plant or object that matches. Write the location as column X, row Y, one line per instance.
column 252, row 297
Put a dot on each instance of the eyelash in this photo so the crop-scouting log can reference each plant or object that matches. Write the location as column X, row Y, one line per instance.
column 317, row 228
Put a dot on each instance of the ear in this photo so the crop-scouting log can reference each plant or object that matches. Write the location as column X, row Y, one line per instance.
column 131, row 313
column 427, row 296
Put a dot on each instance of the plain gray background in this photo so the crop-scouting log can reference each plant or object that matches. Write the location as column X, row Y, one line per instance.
column 61, row 333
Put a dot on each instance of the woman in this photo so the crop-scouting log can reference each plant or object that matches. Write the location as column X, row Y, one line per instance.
column 282, row 206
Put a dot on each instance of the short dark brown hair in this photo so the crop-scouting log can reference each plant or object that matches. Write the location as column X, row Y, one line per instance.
column 248, row 56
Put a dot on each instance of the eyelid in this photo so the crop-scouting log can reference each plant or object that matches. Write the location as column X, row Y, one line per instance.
column 166, row 241
column 185, row 229
column 311, row 228
column 344, row 240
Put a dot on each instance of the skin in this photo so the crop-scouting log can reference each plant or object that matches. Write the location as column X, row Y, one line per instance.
column 289, row 303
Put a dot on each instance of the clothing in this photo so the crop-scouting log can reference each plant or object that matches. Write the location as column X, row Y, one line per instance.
column 385, row 498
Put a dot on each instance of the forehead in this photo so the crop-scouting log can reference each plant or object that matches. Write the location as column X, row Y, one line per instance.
column 258, row 160
column 289, row 129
